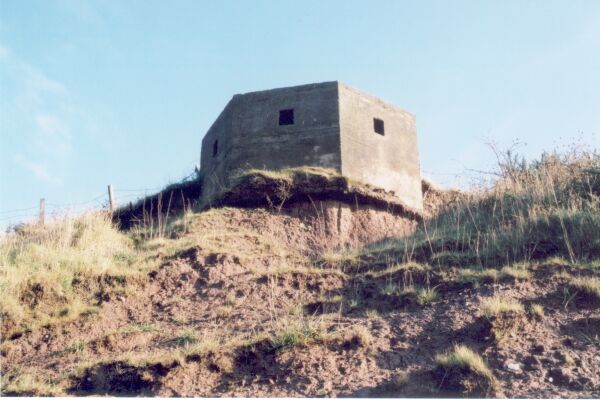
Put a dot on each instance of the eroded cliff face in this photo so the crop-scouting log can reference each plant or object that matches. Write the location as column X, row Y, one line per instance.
column 303, row 301
column 337, row 225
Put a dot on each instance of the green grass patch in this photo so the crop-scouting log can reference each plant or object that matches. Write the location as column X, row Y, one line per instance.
column 299, row 332
column 26, row 384
column 543, row 209
column 476, row 277
column 57, row 272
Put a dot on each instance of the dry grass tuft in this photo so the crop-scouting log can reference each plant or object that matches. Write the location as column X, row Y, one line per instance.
column 340, row 259
column 588, row 286
column 361, row 335
column 462, row 357
column 206, row 344
column 537, row 311
column 420, row 295
column 496, row 306
column 426, row 296
column 477, row 277
column 515, row 272
column 464, row 371
column 357, row 335
column 296, row 332
column 534, row 211
column 25, row 384
column 568, row 360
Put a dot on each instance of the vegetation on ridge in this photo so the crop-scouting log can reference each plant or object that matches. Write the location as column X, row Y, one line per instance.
column 258, row 188
column 235, row 301
column 59, row 271
column 549, row 207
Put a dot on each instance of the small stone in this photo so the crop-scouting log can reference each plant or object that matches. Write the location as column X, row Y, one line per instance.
column 513, row 367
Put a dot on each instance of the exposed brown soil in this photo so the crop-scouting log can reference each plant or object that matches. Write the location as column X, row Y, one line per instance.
column 276, row 189
column 243, row 271
column 435, row 198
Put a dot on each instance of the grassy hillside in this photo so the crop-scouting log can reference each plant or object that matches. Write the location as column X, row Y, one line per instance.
column 549, row 208
column 495, row 294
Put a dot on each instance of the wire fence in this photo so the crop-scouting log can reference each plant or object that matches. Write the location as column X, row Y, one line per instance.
column 99, row 201
column 123, row 197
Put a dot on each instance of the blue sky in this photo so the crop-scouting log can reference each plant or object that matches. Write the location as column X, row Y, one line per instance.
column 121, row 92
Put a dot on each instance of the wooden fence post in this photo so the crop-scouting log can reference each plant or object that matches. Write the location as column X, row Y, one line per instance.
column 111, row 199
column 42, row 215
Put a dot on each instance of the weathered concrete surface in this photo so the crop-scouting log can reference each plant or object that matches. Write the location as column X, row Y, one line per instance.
column 251, row 136
column 389, row 161
column 333, row 128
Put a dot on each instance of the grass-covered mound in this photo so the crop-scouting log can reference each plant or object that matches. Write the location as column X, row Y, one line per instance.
column 257, row 188
column 263, row 188
column 59, row 271
column 246, row 302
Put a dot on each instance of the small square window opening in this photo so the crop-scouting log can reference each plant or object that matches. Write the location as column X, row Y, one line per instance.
column 215, row 148
column 378, row 126
column 286, row 117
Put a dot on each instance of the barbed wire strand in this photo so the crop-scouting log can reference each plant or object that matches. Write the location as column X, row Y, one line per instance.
column 17, row 210
column 77, row 203
column 18, row 216
column 138, row 190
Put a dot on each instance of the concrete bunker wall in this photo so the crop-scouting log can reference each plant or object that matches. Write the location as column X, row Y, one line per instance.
column 389, row 160
column 217, row 145
column 249, row 133
column 333, row 126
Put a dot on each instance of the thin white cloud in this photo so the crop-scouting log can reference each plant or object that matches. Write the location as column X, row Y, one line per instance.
column 50, row 124
column 38, row 170
column 41, row 111
column 53, row 135
column 39, row 82
column 36, row 86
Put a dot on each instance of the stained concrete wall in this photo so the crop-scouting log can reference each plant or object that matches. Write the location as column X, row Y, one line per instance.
column 250, row 136
column 215, row 169
column 390, row 161
column 333, row 127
